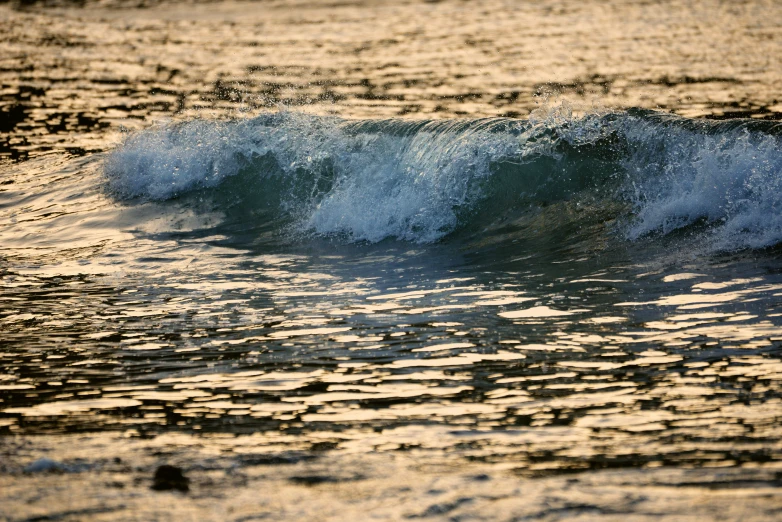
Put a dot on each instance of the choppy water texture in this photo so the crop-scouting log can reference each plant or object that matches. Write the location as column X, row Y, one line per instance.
column 366, row 308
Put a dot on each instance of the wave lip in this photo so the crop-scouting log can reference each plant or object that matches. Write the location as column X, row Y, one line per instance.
column 420, row 181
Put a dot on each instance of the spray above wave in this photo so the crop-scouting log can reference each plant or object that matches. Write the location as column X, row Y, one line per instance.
column 419, row 181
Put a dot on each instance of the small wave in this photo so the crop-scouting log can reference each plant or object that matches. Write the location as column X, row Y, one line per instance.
column 420, row 181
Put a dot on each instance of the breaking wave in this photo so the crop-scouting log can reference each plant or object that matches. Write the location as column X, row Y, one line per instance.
column 420, row 181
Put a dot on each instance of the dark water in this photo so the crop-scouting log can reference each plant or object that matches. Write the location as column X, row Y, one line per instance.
column 570, row 315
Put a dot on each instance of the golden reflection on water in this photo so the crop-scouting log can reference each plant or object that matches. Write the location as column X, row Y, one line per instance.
column 291, row 343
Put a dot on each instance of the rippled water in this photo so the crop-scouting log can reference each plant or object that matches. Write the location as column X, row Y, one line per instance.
column 318, row 317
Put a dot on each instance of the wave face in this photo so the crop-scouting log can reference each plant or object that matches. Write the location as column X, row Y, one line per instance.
column 420, row 181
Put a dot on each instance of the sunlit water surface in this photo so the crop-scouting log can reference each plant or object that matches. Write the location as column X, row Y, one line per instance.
column 556, row 317
column 477, row 358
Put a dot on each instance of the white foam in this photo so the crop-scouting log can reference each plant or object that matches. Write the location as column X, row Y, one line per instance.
column 409, row 188
column 163, row 162
column 730, row 180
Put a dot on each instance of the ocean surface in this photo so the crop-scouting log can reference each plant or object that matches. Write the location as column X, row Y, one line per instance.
column 355, row 261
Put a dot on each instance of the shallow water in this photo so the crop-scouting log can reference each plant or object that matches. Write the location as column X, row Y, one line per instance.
column 571, row 315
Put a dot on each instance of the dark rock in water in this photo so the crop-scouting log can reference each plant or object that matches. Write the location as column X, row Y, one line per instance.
column 170, row 477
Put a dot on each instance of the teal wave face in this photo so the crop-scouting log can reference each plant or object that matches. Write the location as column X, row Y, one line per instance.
column 423, row 181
